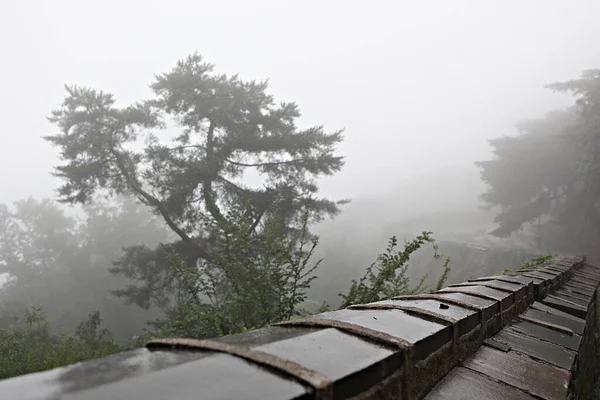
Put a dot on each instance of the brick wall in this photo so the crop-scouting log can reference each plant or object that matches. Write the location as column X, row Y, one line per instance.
column 528, row 335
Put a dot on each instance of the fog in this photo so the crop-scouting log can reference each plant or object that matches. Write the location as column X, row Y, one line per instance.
column 418, row 87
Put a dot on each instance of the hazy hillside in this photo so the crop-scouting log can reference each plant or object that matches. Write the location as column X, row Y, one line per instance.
column 443, row 201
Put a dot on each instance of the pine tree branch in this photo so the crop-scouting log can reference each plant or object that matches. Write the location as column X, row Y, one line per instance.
column 266, row 164
column 200, row 250
column 233, row 185
column 257, row 220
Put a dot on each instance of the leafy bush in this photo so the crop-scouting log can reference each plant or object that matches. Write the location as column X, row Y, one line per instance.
column 531, row 264
column 387, row 276
column 536, row 262
column 32, row 346
column 252, row 279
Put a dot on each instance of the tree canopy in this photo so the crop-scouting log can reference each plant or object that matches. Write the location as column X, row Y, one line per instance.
column 227, row 129
column 548, row 173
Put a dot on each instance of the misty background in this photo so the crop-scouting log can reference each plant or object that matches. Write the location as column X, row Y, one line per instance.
column 418, row 87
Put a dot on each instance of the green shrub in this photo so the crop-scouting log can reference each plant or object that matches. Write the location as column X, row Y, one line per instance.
column 32, row 346
column 387, row 276
column 252, row 279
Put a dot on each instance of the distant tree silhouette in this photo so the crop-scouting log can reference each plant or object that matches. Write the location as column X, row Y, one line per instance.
column 550, row 172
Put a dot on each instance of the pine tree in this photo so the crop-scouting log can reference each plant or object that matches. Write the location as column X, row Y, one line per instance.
column 227, row 128
column 548, row 176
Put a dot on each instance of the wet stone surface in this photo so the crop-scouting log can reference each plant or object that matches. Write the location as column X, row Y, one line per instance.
column 488, row 307
column 338, row 356
column 582, row 282
column 566, row 298
column 547, row 334
column 434, row 306
column 516, row 279
column 534, row 347
column 221, row 377
column 465, row 384
column 540, row 285
column 535, row 279
column 538, row 277
column 265, row 335
column 534, row 377
column 591, row 271
column 588, row 270
column 578, row 290
column 547, row 274
column 393, row 322
column 566, row 306
column 555, row 311
column 53, row 384
column 512, row 279
column 576, row 326
column 518, row 290
column 590, row 284
column 556, row 275
column 426, row 336
column 574, row 286
column 506, row 299
column 582, row 286
column 574, row 297
column 466, row 319
column 554, row 269
column 562, row 266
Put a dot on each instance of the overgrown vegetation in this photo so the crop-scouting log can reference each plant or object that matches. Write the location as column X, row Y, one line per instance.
column 31, row 345
column 251, row 280
column 531, row 264
column 250, row 283
column 387, row 276
column 536, row 262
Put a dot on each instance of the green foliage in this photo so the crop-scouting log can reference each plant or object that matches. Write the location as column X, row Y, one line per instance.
column 387, row 276
column 444, row 277
column 228, row 128
column 31, row 345
column 250, row 281
column 536, row 262
column 531, row 264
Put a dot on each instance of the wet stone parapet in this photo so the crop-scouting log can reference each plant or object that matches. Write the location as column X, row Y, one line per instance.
column 525, row 335
column 550, row 351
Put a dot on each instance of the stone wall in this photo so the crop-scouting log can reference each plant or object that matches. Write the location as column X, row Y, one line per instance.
column 527, row 335
column 550, row 351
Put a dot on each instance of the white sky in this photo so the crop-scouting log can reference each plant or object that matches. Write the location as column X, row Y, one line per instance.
column 416, row 84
